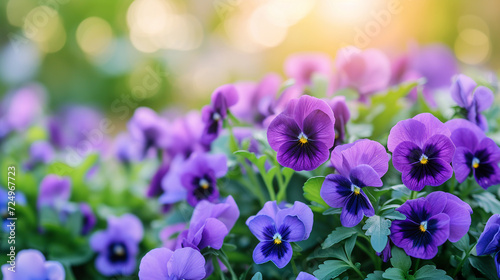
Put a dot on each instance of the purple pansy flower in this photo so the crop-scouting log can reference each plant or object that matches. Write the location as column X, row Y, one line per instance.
column 89, row 219
column 126, row 149
column 276, row 228
column 422, row 151
column 210, row 224
column 429, row 223
column 302, row 67
column 168, row 235
column 360, row 164
column 54, row 191
column 386, row 253
column 149, row 129
column 214, row 114
column 489, row 241
column 476, row 154
column 162, row 263
column 472, row 99
column 366, row 71
column 155, row 187
column 31, row 265
column 342, row 115
column 256, row 100
column 22, row 107
column 187, row 131
column 118, row 245
column 303, row 134
column 41, row 152
column 305, row 276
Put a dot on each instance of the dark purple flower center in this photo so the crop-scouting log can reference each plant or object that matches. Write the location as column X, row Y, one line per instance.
column 479, row 162
column 276, row 241
column 117, row 252
column 420, row 232
column 203, row 187
column 424, row 162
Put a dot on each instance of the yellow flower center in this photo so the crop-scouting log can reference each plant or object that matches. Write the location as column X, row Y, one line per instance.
column 475, row 162
column 355, row 189
column 204, row 184
column 424, row 159
column 277, row 241
column 303, row 139
column 422, row 228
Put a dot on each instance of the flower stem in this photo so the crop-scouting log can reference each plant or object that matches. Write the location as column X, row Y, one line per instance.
column 466, row 256
column 413, row 194
column 254, row 185
column 417, row 264
column 225, row 261
column 294, row 267
column 356, row 270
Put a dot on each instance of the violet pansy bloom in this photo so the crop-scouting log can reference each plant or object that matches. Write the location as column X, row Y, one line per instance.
column 89, row 219
column 31, row 265
column 473, row 99
column 429, row 223
column 149, row 129
column 168, row 235
column 360, row 164
column 214, row 114
column 187, row 131
column 305, row 276
column 475, row 154
column 41, row 152
column 342, row 115
column 422, row 151
column 489, row 241
column 276, row 228
column 118, row 245
column 302, row 67
column 54, row 191
column 303, row 134
column 366, row 71
column 162, row 263
column 155, row 187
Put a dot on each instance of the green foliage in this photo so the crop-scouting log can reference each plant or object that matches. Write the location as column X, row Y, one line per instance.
column 338, row 235
column 378, row 228
column 400, row 259
column 312, row 190
column 488, row 202
column 330, row 269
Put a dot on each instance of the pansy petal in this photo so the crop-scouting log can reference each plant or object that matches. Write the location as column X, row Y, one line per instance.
column 464, row 137
column 483, row 97
column 303, row 157
column 439, row 226
column 434, row 173
column 305, row 276
column 407, row 130
column 186, row 263
column 368, row 152
column 306, row 105
column 365, row 176
column 217, row 163
column 461, row 165
column 292, row 229
column 405, row 155
column 318, row 126
column 489, row 241
column 99, row 241
column 267, row 251
column 460, row 220
column 335, row 190
column 213, row 234
column 455, row 124
column 270, row 209
column 352, row 213
column 439, row 146
column 432, row 124
column 54, row 270
column 154, row 264
column 283, row 129
column 490, row 148
column 262, row 226
column 303, row 213
column 461, row 89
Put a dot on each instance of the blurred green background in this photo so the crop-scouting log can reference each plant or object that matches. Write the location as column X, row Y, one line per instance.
column 173, row 53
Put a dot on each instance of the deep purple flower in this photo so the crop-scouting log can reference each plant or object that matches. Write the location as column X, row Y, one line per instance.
column 342, row 115
column 31, row 265
column 41, row 152
column 155, row 187
column 360, row 164
column 210, row 224
column 489, row 241
column 472, row 99
column 429, row 223
column 162, row 263
column 89, row 219
column 276, row 228
column 386, row 253
column 305, row 276
column 256, row 100
column 149, row 129
column 366, row 71
column 422, row 151
column 118, row 245
column 54, row 191
column 214, row 114
column 476, row 154
column 303, row 134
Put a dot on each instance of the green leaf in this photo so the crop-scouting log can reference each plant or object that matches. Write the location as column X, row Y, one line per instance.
column 257, row 276
column 378, row 228
column 376, row 275
column 312, row 188
column 393, row 215
column 429, row 272
column 338, row 235
column 330, row 269
column 485, row 265
column 393, row 273
column 349, row 245
column 488, row 202
column 400, row 259
column 463, row 244
column 333, row 211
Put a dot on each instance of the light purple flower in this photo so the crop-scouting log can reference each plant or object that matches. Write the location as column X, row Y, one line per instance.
column 303, row 134
column 305, row 276
column 187, row 132
column 422, row 151
column 489, row 241
column 31, row 265
column 342, row 115
column 41, row 152
column 276, row 228
column 54, row 191
column 301, row 67
column 126, row 149
column 168, row 235
column 162, row 263
column 22, row 107
column 475, row 154
column 214, row 114
column 360, row 164
column 429, row 223
column 149, row 129
column 473, row 99
column 210, row 224
column 117, row 246
column 366, row 71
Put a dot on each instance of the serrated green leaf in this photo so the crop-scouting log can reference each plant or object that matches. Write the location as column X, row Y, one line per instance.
column 376, row 275
column 400, row 259
column 312, row 188
column 393, row 215
column 488, row 202
column 338, row 235
column 330, row 269
column 349, row 245
column 257, row 276
column 429, row 272
column 378, row 229
column 394, row 273
column 485, row 265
